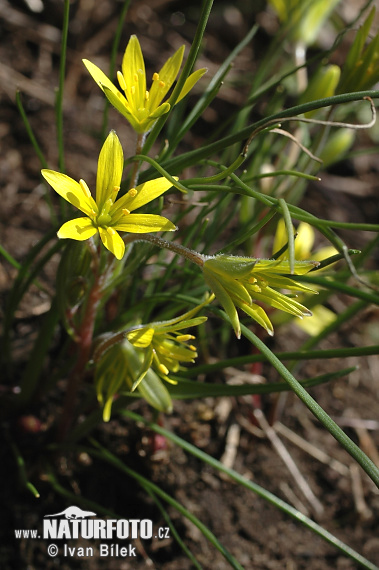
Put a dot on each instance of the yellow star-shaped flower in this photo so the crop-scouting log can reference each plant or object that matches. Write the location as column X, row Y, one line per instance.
column 239, row 281
column 139, row 106
column 106, row 215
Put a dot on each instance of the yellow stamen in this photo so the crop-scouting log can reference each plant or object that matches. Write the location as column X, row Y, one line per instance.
column 121, row 80
column 184, row 337
column 116, row 190
column 162, row 368
column 125, row 211
column 132, row 192
column 191, row 347
column 135, row 77
column 85, row 188
column 156, row 77
column 162, row 84
column 147, row 95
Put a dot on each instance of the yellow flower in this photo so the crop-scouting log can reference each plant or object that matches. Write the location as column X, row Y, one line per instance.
column 164, row 344
column 321, row 316
column 139, row 106
column 116, row 373
column 306, row 17
column 305, row 237
column 238, row 281
column 107, row 215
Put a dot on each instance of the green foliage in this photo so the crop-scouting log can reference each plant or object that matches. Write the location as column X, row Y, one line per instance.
column 125, row 316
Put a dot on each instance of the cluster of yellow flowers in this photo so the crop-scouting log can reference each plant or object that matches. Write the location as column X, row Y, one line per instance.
column 152, row 352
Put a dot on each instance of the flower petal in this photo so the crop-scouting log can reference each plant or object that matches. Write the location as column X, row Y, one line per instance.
column 70, row 190
column 120, row 104
column 141, row 337
column 159, row 111
column 133, row 70
column 98, row 75
column 145, row 223
column 109, row 169
column 225, row 300
column 165, row 79
column 259, row 315
column 190, row 83
column 79, row 229
column 112, row 241
column 145, row 193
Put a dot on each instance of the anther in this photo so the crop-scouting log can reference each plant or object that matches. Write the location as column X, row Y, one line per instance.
column 132, row 192
column 125, row 211
column 121, row 80
column 85, row 188
column 162, row 84
column 184, row 337
column 156, row 77
column 135, row 77
column 163, row 369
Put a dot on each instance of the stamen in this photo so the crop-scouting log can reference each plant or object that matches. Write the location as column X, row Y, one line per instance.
column 162, row 84
column 135, row 77
column 184, row 337
column 85, row 188
column 132, row 192
column 147, row 95
column 162, row 368
column 121, row 80
column 191, row 347
column 156, row 77
column 125, row 211
column 114, row 193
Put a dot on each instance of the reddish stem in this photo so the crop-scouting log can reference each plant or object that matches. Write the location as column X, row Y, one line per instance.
column 85, row 335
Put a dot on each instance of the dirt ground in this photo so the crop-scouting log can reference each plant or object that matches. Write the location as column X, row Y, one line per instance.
column 343, row 499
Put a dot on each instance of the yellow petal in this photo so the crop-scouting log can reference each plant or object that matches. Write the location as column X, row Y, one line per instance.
column 166, row 78
column 190, row 83
column 70, row 190
column 116, row 98
column 224, row 298
column 304, row 241
column 101, row 79
column 109, row 169
column 259, row 315
column 159, row 111
column 133, row 70
column 112, row 241
column 145, row 223
column 145, row 193
column 141, row 337
column 79, row 229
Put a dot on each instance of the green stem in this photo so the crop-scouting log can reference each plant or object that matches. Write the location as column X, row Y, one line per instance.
column 85, row 336
column 367, row 465
column 192, row 56
column 296, row 355
column 257, row 489
column 172, row 246
column 135, row 172
column 59, row 95
column 112, row 65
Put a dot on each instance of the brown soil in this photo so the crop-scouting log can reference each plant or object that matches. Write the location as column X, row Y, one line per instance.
column 257, row 534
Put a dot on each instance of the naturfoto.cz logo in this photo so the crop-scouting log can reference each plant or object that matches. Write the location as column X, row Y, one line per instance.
column 75, row 523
